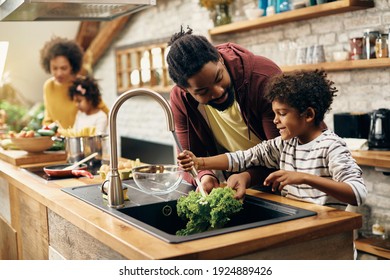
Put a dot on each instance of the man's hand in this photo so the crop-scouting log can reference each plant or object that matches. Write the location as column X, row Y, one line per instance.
column 209, row 182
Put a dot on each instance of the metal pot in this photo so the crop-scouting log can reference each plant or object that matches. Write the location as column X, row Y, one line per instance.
column 78, row 148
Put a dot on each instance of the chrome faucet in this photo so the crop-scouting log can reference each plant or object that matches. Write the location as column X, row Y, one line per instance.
column 114, row 190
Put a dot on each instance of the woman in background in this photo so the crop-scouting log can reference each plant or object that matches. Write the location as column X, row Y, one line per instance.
column 62, row 58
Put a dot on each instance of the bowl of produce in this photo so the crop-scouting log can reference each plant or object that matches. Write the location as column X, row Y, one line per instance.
column 34, row 144
column 341, row 56
column 158, row 178
column 253, row 13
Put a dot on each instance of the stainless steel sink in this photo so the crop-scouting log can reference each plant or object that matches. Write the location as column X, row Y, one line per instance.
column 157, row 214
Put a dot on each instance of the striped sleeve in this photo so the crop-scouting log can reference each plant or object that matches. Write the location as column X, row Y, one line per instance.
column 343, row 168
column 267, row 153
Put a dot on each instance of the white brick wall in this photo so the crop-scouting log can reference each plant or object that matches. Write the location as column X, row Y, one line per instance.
column 359, row 90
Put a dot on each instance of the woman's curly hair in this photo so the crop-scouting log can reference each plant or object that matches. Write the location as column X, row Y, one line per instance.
column 303, row 89
column 58, row 46
column 187, row 55
column 87, row 87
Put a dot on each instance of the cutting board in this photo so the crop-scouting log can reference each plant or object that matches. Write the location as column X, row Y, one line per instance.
column 17, row 157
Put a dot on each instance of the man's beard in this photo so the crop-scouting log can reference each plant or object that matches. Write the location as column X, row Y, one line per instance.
column 227, row 103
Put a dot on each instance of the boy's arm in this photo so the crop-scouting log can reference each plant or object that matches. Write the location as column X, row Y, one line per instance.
column 339, row 190
column 187, row 160
column 219, row 162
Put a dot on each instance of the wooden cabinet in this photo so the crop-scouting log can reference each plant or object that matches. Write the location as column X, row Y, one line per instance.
column 326, row 9
column 23, row 225
column 29, row 219
column 8, row 243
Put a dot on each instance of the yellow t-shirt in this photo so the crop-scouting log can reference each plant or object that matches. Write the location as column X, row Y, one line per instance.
column 58, row 105
column 229, row 128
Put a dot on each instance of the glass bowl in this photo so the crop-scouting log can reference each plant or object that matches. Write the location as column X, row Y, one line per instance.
column 157, row 178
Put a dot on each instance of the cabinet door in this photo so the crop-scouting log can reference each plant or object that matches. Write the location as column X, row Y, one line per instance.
column 29, row 219
column 8, row 243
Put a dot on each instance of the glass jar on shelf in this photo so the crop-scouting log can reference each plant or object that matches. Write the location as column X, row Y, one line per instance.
column 369, row 41
column 381, row 46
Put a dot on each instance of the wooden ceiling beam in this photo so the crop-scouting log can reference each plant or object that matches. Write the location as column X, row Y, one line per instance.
column 87, row 33
column 102, row 41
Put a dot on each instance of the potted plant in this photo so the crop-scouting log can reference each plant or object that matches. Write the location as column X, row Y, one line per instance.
column 220, row 10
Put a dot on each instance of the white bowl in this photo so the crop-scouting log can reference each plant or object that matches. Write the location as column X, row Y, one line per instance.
column 253, row 13
column 157, row 179
column 341, row 56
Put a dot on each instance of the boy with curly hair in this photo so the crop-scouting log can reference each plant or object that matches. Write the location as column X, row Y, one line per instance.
column 315, row 164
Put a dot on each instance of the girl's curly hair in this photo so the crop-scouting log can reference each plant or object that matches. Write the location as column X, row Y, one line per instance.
column 87, row 87
column 303, row 89
column 58, row 46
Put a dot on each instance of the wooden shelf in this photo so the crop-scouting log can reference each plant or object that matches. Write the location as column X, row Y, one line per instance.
column 326, row 9
column 341, row 65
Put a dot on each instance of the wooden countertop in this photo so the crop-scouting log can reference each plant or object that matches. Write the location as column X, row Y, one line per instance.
column 375, row 246
column 372, row 158
column 18, row 157
column 133, row 243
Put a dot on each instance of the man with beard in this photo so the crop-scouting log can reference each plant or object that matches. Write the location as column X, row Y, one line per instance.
column 218, row 102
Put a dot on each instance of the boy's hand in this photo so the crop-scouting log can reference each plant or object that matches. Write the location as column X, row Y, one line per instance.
column 186, row 160
column 239, row 182
column 279, row 179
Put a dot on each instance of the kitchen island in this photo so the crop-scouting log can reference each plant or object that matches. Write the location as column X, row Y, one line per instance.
column 39, row 221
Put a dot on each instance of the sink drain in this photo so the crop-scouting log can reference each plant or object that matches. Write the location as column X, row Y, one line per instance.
column 167, row 210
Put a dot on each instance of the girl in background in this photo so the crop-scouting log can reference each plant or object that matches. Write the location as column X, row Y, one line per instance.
column 86, row 94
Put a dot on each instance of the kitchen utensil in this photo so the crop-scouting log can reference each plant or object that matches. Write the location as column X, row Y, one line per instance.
column 351, row 125
column 78, row 148
column 58, row 171
column 157, row 179
column 73, row 166
column 193, row 171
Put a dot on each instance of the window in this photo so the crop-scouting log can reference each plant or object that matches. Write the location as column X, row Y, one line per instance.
column 143, row 67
